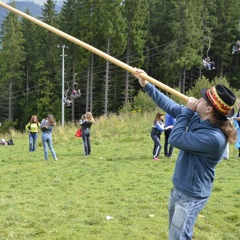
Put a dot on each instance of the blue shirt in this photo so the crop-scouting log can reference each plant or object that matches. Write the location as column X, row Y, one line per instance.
column 201, row 146
column 159, row 126
column 169, row 120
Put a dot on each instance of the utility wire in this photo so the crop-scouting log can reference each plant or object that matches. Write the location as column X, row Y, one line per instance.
column 102, row 71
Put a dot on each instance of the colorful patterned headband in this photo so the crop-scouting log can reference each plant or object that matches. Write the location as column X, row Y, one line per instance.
column 217, row 102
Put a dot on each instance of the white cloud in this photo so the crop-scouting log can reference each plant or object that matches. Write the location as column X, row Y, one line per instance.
column 39, row 2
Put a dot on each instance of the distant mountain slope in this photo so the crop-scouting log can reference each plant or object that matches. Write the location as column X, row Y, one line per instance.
column 38, row 2
column 35, row 9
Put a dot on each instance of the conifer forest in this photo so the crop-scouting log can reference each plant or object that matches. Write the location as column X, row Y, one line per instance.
column 167, row 38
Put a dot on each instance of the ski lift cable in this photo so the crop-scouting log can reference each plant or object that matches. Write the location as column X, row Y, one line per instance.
column 165, row 44
column 99, row 72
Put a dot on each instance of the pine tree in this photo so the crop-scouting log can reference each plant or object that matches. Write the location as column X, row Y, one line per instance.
column 185, row 27
column 12, row 56
column 225, row 34
column 46, row 92
column 114, row 36
column 136, row 14
column 49, row 59
column 30, row 94
column 77, row 19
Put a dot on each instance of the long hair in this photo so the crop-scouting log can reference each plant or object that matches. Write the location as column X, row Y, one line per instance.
column 225, row 125
column 51, row 120
column 89, row 117
column 31, row 119
column 158, row 117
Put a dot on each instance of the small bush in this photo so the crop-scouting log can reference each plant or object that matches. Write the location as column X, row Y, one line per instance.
column 7, row 126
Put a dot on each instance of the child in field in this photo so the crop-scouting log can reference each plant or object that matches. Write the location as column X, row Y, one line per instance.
column 33, row 127
column 157, row 129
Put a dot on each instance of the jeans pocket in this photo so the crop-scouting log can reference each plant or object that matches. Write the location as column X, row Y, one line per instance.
column 179, row 217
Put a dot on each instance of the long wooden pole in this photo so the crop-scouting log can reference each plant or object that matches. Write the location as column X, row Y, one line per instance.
column 95, row 51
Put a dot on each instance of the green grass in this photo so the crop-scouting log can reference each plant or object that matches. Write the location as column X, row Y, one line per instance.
column 70, row 198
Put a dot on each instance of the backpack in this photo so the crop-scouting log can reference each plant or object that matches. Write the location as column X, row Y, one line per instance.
column 44, row 128
column 79, row 133
column 10, row 142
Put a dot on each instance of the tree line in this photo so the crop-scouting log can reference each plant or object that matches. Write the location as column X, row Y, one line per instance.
column 168, row 39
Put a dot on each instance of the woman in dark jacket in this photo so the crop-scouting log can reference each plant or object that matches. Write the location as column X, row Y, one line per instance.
column 86, row 122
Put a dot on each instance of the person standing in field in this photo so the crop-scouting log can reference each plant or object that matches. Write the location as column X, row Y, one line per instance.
column 236, row 121
column 33, row 127
column 169, row 123
column 47, row 126
column 86, row 122
column 157, row 129
column 201, row 132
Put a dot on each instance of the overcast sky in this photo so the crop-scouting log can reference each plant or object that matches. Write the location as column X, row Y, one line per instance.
column 39, row 2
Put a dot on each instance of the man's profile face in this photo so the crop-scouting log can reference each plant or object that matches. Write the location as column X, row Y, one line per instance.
column 202, row 107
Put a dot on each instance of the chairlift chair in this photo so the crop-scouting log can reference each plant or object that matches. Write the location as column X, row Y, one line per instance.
column 66, row 100
column 76, row 93
column 236, row 47
column 207, row 63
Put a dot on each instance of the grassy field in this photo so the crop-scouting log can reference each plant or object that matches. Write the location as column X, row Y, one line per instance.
column 71, row 198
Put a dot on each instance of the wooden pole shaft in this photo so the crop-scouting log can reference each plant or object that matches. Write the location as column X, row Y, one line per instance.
column 95, row 51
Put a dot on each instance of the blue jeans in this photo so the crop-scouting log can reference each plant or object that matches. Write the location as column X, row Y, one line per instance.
column 183, row 212
column 47, row 142
column 32, row 141
column 86, row 141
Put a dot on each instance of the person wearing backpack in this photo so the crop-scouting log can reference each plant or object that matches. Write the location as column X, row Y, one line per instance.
column 33, row 128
